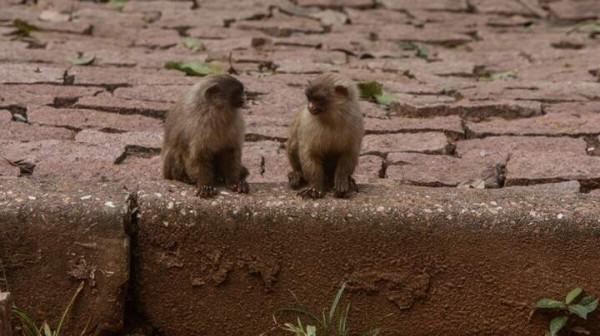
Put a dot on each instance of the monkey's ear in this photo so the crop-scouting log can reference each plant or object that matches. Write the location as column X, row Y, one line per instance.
column 211, row 91
column 342, row 90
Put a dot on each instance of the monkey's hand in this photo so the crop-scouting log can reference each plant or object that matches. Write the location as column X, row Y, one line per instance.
column 353, row 184
column 240, row 187
column 311, row 193
column 340, row 190
column 206, row 191
column 296, row 180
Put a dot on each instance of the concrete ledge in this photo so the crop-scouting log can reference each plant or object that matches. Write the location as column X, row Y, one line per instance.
column 54, row 235
column 431, row 261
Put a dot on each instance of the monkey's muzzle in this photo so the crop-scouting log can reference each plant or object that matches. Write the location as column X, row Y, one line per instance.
column 237, row 103
column 313, row 108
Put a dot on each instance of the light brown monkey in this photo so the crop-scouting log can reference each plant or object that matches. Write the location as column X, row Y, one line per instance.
column 204, row 135
column 326, row 138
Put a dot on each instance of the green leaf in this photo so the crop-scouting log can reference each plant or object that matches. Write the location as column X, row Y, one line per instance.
column 68, row 308
column 501, row 75
column 47, row 331
column 117, row 3
column 408, row 46
column 385, row 99
column 194, row 68
column 28, row 327
column 336, row 302
column 422, row 53
column 579, row 310
column 586, row 300
column 573, row 295
column 194, row 44
column 549, row 304
column 81, row 60
column 370, row 89
column 374, row 332
column 311, row 330
column 557, row 323
column 24, row 29
column 592, row 306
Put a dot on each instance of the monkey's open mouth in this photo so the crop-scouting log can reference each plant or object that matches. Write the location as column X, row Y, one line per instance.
column 313, row 109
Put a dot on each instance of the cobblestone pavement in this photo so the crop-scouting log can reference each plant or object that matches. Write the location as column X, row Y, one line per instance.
column 489, row 93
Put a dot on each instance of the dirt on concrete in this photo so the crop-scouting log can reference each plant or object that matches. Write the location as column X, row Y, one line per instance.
column 55, row 236
column 417, row 261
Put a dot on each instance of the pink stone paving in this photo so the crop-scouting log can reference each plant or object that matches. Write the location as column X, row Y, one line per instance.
column 488, row 94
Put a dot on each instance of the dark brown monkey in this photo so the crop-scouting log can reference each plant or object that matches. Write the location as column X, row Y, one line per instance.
column 204, row 135
column 326, row 138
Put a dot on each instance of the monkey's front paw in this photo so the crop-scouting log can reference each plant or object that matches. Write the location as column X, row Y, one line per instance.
column 296, row 180
column 206, row 191
column 353, row 185
column 340, row 191
column 311, row 193
column 241, row 187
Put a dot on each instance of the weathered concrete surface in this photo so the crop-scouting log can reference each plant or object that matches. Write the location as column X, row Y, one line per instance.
column 440, row 261
column 55, row 235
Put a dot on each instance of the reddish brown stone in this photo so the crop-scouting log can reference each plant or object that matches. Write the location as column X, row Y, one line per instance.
column 83, row 118
column 145, row 140
column 282, row 25
column 559, row 187
column 30, row 74
column 440, row 170
column 8, row 169
column 369, row 169
column 568, row 124
column 526, row 168
column 154, row 93
column 499, row 149
column 41, row 94
column 106, row 102
column 428, row 142
column 266, row 161
column 575, row 10
column 19, row 131
column 471, row 110
column 362, row 4
column 450, row 125
column 445, row 5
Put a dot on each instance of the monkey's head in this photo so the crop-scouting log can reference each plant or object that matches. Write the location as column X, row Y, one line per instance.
column 329, row 92
column 224, row 91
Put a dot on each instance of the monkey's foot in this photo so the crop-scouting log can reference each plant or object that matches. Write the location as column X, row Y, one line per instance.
column 206, row 191
column 296, row 180
column 311, row 193
column 241, row 187
column 353, row 185
column 340, row 190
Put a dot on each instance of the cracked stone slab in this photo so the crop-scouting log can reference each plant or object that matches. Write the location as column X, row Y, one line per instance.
column 500, row 148
column 441, row 170
column 266, row 161
column 449, row 125
column 55, row 236
column 106, row 102
column 427, row 142
column 19, row 131
column 525, row 168
column 573, row 123
column 444, row 5
column 369, row 169
column 99, row 120
column 147, row 140
column 575, row 10
column 42, row 94
column 471, row 110
column 30, row 74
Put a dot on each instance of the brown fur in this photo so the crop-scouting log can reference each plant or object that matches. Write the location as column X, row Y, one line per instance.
column 204, row 135
column 323, row 148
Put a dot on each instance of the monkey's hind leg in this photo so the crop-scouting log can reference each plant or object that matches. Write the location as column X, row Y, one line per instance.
column 172, row 167
column 312, row 167
column 343, row 180
column 201, row 171
column 229, row 163
column 295, row 177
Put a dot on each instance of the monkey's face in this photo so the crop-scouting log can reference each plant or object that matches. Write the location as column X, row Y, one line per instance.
column 322, row 98
column 226, row 91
